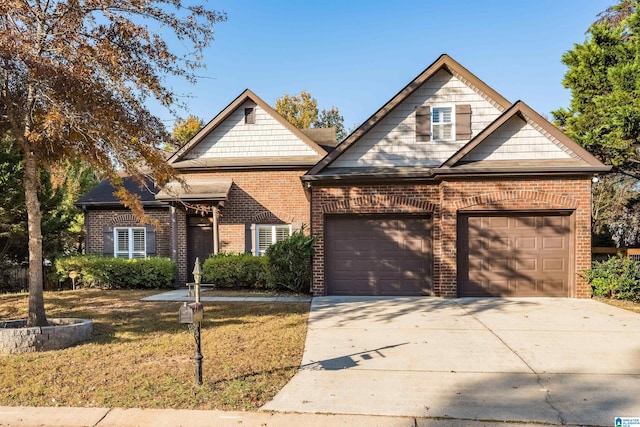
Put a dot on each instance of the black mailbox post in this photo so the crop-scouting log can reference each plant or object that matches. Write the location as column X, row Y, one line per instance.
column 193, row 314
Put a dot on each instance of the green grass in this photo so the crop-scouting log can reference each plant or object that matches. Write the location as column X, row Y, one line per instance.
column 140, row 356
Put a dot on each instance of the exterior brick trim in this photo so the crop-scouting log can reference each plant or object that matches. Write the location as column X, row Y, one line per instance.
column 552, row 200
column 271, row 216
column 373, row 204
column 123, row 219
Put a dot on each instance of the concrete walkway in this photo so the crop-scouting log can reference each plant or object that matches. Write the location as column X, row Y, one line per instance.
column 104, row 417
column 538, row 360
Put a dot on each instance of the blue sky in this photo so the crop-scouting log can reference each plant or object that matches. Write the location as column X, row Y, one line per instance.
column 356, row 55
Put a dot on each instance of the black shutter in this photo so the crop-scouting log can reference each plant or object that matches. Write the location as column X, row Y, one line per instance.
column 151, row 240
column 107, row 240
column 463, row 122
column 423, row 124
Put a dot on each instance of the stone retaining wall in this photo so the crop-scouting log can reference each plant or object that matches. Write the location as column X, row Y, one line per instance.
column 63, row 333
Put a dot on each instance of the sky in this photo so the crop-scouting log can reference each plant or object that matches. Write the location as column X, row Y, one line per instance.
column 356, row 55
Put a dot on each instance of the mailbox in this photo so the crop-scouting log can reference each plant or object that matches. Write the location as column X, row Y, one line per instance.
column 191, row 313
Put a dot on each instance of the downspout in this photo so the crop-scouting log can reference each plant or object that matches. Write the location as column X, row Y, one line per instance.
column 216, row 232
column 309, row 189
column 174, row 239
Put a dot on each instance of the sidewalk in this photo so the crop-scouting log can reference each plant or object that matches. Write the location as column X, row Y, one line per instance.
column 104, row 417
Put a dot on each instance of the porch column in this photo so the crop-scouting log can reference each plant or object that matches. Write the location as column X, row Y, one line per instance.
column 174, row 237
column 174, row 233
column 216, row 233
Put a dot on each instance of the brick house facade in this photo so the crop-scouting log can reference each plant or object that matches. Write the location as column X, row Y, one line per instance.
column 447, row 190
column 451, row 190
column 243, row 168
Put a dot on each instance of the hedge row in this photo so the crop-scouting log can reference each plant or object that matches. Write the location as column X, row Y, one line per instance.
column 118, row 273
column 286, row 265
column 618, row 278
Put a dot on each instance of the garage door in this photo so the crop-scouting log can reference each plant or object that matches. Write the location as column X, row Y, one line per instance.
column 378, row 255
column 514, row 255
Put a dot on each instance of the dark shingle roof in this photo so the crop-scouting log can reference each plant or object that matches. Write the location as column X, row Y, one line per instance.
column 102, row 194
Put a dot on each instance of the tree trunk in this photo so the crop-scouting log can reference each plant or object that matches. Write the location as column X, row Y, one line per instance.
column 37, row 315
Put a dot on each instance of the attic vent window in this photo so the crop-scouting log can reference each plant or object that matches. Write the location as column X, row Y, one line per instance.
column 442, row 124
column 249, row 116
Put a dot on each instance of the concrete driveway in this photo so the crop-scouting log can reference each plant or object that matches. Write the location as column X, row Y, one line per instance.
column 541, row 360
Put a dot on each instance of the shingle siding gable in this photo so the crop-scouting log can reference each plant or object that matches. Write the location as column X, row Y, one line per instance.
column 518, row 140
column 233, row 138
column 392, row 141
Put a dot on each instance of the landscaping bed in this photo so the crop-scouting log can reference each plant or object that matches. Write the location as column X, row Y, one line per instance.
column 140, row 356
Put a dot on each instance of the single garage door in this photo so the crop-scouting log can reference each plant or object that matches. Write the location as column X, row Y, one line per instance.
column 514, row 255
column 378, row 255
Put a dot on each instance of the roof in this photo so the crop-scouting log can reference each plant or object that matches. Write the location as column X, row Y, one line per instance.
column 177, row 159
column 582, row 161
column 529, row 115
column 443, row 62
column 102, row 195
column 210, row 189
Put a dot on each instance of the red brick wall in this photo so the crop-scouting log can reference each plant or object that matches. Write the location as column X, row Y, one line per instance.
column 258, row 197
column 95, row 220
column 445, row 200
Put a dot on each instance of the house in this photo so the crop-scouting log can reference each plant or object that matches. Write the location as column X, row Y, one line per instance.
column 447, row 190
column 242, row 192
column 451, row 190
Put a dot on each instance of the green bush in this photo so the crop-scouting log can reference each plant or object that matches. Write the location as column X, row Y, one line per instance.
column 289, row 262
column 618, row 278
column 237, row 271
column 118, row 273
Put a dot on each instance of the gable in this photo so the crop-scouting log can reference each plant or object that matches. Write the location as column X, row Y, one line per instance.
column 392, row 141
column 233, row 138
column 521, row 139
column 247, row 133
column 517, row 139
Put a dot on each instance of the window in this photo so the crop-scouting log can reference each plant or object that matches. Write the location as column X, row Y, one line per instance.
column 442, row 124
column 129, row 242
column 267, row 235
column 249, row 116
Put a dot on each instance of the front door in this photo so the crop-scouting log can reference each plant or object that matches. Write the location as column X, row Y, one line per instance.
column 199, row 242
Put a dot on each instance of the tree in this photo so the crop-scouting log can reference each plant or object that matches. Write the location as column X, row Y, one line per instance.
column 299, row 110
column 184, row 130
column 74, row 79
column 331, row 118
column 302, row 112
column 604, row 78
column 604, row 115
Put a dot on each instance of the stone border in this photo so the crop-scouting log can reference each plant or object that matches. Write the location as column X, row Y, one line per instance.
column 63, row 333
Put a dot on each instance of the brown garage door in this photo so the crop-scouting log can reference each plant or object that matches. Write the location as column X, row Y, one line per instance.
column 514, row 255
column 378, row 255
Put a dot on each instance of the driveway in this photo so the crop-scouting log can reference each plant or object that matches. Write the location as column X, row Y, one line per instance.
column 548, row 360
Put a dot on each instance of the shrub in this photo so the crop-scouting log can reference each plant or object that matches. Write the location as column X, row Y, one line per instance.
column 236, row 271
column 118, row 273
column 618, row 277
column 289, row 262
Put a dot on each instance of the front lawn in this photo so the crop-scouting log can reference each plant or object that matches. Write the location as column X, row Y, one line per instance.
column 140, row 355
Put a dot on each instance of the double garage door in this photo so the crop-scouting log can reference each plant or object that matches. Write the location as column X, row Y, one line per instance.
column 512, row 254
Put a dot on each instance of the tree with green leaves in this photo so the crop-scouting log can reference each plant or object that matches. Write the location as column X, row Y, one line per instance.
column 604, row 79
column 604, row 115
column 75, row 78
column 331, row 118
column 302, row 111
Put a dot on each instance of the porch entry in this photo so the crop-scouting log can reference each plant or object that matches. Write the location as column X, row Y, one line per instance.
column 199, row 241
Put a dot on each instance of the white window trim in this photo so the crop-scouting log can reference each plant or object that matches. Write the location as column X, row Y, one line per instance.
column 273, row 235
column 130, row 252
column 453, row 121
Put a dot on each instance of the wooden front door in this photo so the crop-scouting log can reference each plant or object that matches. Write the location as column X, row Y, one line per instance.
column 199, row 242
